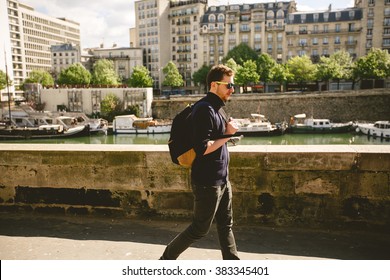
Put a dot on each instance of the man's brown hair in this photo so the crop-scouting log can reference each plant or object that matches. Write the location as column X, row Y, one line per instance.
column 217, row 72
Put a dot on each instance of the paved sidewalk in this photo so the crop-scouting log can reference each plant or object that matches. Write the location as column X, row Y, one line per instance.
column 49, row 237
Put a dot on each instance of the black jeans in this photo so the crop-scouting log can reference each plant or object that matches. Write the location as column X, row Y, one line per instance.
column 209, row 203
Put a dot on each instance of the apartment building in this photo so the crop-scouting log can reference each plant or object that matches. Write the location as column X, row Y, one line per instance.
column 376, row 23
column 261, row 26
column 322, row 33
column 204, row 35
column 152, row 35
column 185, row 39
column 62, row 56
column 31, row 35
column 124, row 59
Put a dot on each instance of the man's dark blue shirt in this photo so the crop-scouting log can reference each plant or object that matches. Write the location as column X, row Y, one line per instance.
column 208, row 123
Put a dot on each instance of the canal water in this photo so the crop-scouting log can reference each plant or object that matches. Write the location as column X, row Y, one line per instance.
column 287, row 139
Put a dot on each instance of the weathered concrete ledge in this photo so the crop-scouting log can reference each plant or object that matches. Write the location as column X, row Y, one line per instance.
column 311, row 186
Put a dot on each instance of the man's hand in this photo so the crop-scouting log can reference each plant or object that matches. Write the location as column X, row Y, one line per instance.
column 231, row 127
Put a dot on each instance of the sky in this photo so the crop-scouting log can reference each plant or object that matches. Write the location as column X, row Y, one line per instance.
column 108, row 22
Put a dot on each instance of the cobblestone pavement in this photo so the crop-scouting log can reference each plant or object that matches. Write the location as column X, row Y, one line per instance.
column 50, row 237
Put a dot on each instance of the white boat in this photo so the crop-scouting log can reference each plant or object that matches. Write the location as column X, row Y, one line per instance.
column 131, row 124
column 258, row 125
column 301, row 124
column 378, row 129
column 95, row 125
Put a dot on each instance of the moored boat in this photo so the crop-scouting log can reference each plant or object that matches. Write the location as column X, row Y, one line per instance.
column 42, row 132
column 302, row 124
column 378, row 129
column 258, row 125
column 131, row 124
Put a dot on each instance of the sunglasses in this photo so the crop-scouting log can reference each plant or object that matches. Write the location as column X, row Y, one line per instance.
column 228, row 85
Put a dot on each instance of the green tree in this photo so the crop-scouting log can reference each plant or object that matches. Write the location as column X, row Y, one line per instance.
column 172, row 76
column 75, row 74
column 265, row 68
column 110, row 106
column 240, row 54
column 281, row 74
column 140, row 77
column 325, row 69
column 40, row 76
column 247, row 74
column 231, row 64
column 3, row 80
column 103, row 73
column 344, row 64
column 374, row 65
column 302, row 70
column 200, row 76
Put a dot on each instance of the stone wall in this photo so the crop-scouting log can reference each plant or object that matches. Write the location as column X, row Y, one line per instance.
column 304, row 186
column 339, row 106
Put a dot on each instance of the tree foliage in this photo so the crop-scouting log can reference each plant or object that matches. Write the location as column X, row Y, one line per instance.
column 336, row 67
column 103, row 73
column 374, row 65
column 40, row 76
column 281, row 74
column 247, row 74
column 265, row 67
column 200, row 76
column 3, row 80
column 172, row 75
column 140, row 77
column 75, row 74
column 232, row 64
column 240, row 54
column 302, row 70
column 111, row 105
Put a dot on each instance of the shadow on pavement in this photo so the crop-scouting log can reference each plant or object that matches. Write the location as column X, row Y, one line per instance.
column 252, row 239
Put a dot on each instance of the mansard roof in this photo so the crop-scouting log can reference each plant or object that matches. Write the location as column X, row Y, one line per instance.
column 332, row 16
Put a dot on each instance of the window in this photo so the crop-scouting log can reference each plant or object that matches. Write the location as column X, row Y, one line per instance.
column 326, row 16
column 326, row 28
column 303, row 18
column 325, row 41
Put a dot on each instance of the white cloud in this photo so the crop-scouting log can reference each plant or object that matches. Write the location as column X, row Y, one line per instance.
column 100, row 21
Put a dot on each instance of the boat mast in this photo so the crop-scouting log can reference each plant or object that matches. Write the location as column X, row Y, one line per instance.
column 9, row 95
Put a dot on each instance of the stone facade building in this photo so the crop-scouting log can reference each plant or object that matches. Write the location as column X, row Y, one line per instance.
column 202, row 34
column 30, row 37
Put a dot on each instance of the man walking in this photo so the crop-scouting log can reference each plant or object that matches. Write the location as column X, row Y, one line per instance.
column 209, row 174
